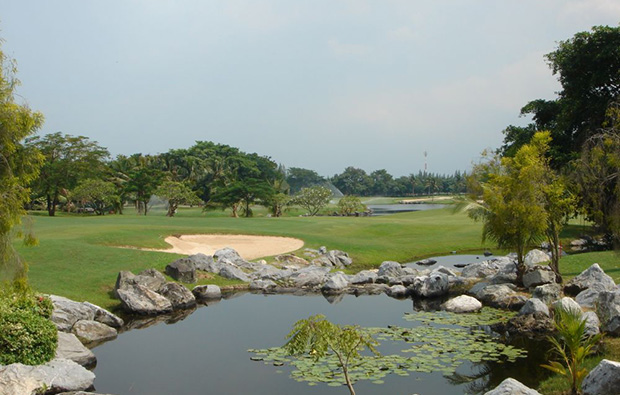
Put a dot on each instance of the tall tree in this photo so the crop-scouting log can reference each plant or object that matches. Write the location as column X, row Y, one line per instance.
column 68, row 160
column 143, row 180
column 353, row 181
column 176, row 193
column 98, row 194
column 19, row 164
column 298, row 178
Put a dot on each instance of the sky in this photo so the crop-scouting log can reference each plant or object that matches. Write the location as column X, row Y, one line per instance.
column 317, row 84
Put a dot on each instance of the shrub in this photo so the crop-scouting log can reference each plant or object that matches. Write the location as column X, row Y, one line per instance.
column 348, row 205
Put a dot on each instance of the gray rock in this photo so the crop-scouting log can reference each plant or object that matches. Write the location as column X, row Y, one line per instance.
column 67, row 312
column 311, row 276
column 337, row 283
column 538, row 275
column 339, row 259
column 608, row 310
column 589, row 297
column 55, row 376
column 426, row 262
column 203, row 292
column 204, row 262
column 322, row 250
column 179, row 296
column 604, row 379
column 234, row 273
column 141, row 300
column 230, row 255
column 292, row 259
column 397, row 291
column 70, row 347
column 89, row 332
column 535, row 257
column 364, row 277
column 435, row 284
column 150, row 278
column 591, row 277
column 534, row 305
column 268, row 272
column 567, row 304
column 104, row 316
column 502, row 296
column 262, row 285
column 444, row 270
column 462, row 304
column 182, row 270
column 80, row 393
column 512, row 387
column 390, row 269
column 593, row 324
column 486, row 269
column 548, row 293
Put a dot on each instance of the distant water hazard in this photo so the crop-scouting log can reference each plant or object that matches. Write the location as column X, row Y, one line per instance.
column 384, row 209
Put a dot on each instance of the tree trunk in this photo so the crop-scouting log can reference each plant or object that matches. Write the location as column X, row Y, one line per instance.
column 554, row 244
column 172, row 208
column 235, row 206
column 348, row 380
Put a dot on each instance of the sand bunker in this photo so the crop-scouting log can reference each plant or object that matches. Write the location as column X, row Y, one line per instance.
column 249, row 247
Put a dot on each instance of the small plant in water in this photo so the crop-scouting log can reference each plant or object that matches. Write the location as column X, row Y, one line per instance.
column 571, row 346
column 318, row 337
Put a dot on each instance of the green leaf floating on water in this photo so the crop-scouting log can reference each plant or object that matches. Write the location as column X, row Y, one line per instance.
column 441, row 342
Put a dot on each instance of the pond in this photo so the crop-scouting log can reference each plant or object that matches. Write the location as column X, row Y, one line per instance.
column 383, row 209
column 207, row 352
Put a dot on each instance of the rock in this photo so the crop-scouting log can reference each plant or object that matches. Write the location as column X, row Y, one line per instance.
column 548, row 293
column 58, row 375
column 538, row 275
column 604, row 379
column 67, row 312
column 397, row 291
column 501, row 295
column 435, row 284
column 608, row 310
column 70, row 347
column 179, row 296
column 141, row 300
column 444, row 270
column 530, row 325
column 590, row 277
column 322, row 250
column 150, row 278
column 339, row 259
column 336, row 283
column 204, row 262
column 262, row 285
column 234, row 273
column 589, row 297
column 292, row 259
column 231, row 256
column 80, row 393
column 203, row 292
column 534, row 257
column 462, row 304
column 512, row 387
column 593, row 324
column 268, row 272
column 390, row 269
column 364, row 277
column 93, row 332
column 311, row 276
column 567, row 304
column 182, row 270
column 426, row 262
column 534, row 305
column 489, row 268
column 104, row 316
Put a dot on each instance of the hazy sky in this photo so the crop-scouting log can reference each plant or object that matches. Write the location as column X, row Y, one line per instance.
column 314, row 84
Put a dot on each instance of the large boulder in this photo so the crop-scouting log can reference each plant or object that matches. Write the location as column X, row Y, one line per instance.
column 105, row 317
column 262, row 285
column 608, row 310
column 462, row 304
column 93, row 332
column 588, row 298
column 604, row 379
column 230, row 255
column 268, row 272
column 141, row 300
column 538, row 275
column 548, row 293
column 511, row 387
column 390, row 269
column 568, row 304
column 593, row 324
column 534, row 305
column 150, row 278
column 204, row 262
column 291, row 259
column 179, row 296
column 339, row 259
column 435, row 284
column 58, row 375
column 232, row 272
column 311, row 276
column 204, row 292
column 536, row 325
column 70, row 347
column 337, row 283
column 182, row 270
column 364, row 277
column 67, row 312
column 535, row 257
column 397, row 291
column 504, row 296
column 489, row 268
column 591, row 277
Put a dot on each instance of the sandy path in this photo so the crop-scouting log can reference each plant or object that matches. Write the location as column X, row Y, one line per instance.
column 249, row 247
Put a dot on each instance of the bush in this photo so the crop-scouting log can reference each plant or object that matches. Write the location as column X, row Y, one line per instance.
column 348, row 205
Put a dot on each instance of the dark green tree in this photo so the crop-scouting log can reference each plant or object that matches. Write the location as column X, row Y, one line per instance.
column 353, row 181
column 298, row 178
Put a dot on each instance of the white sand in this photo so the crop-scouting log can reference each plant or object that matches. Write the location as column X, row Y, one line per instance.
column 249, row 247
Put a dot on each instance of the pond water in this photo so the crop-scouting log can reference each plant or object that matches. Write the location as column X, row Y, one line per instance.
column 207, row 351
column 450, row 260
column 383, row 209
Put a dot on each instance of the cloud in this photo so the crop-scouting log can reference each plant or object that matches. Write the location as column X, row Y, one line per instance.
column 346, row 49
column 403, row 33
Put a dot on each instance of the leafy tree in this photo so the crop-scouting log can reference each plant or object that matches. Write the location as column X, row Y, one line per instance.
column 353, row 181
column 319, row 337
column 143, row 180
column 19, row 165
column 68, row 160
column 348, row 205
column 176, row 193
column 298, row 178
column 382, row 182
column 99, row 194
column 313, row 199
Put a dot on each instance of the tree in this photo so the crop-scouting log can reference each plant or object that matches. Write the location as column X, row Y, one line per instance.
column 68, row 160
column 143, row 180
column 353, row 181
column 99, row 194
column 318, row 337
column 313, row 199
column 348, row 205
column 298, row 178
column 19, row 165
column 382, row 182
column 176, row 193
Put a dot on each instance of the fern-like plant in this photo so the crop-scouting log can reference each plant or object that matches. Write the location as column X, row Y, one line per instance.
column 571, row 346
